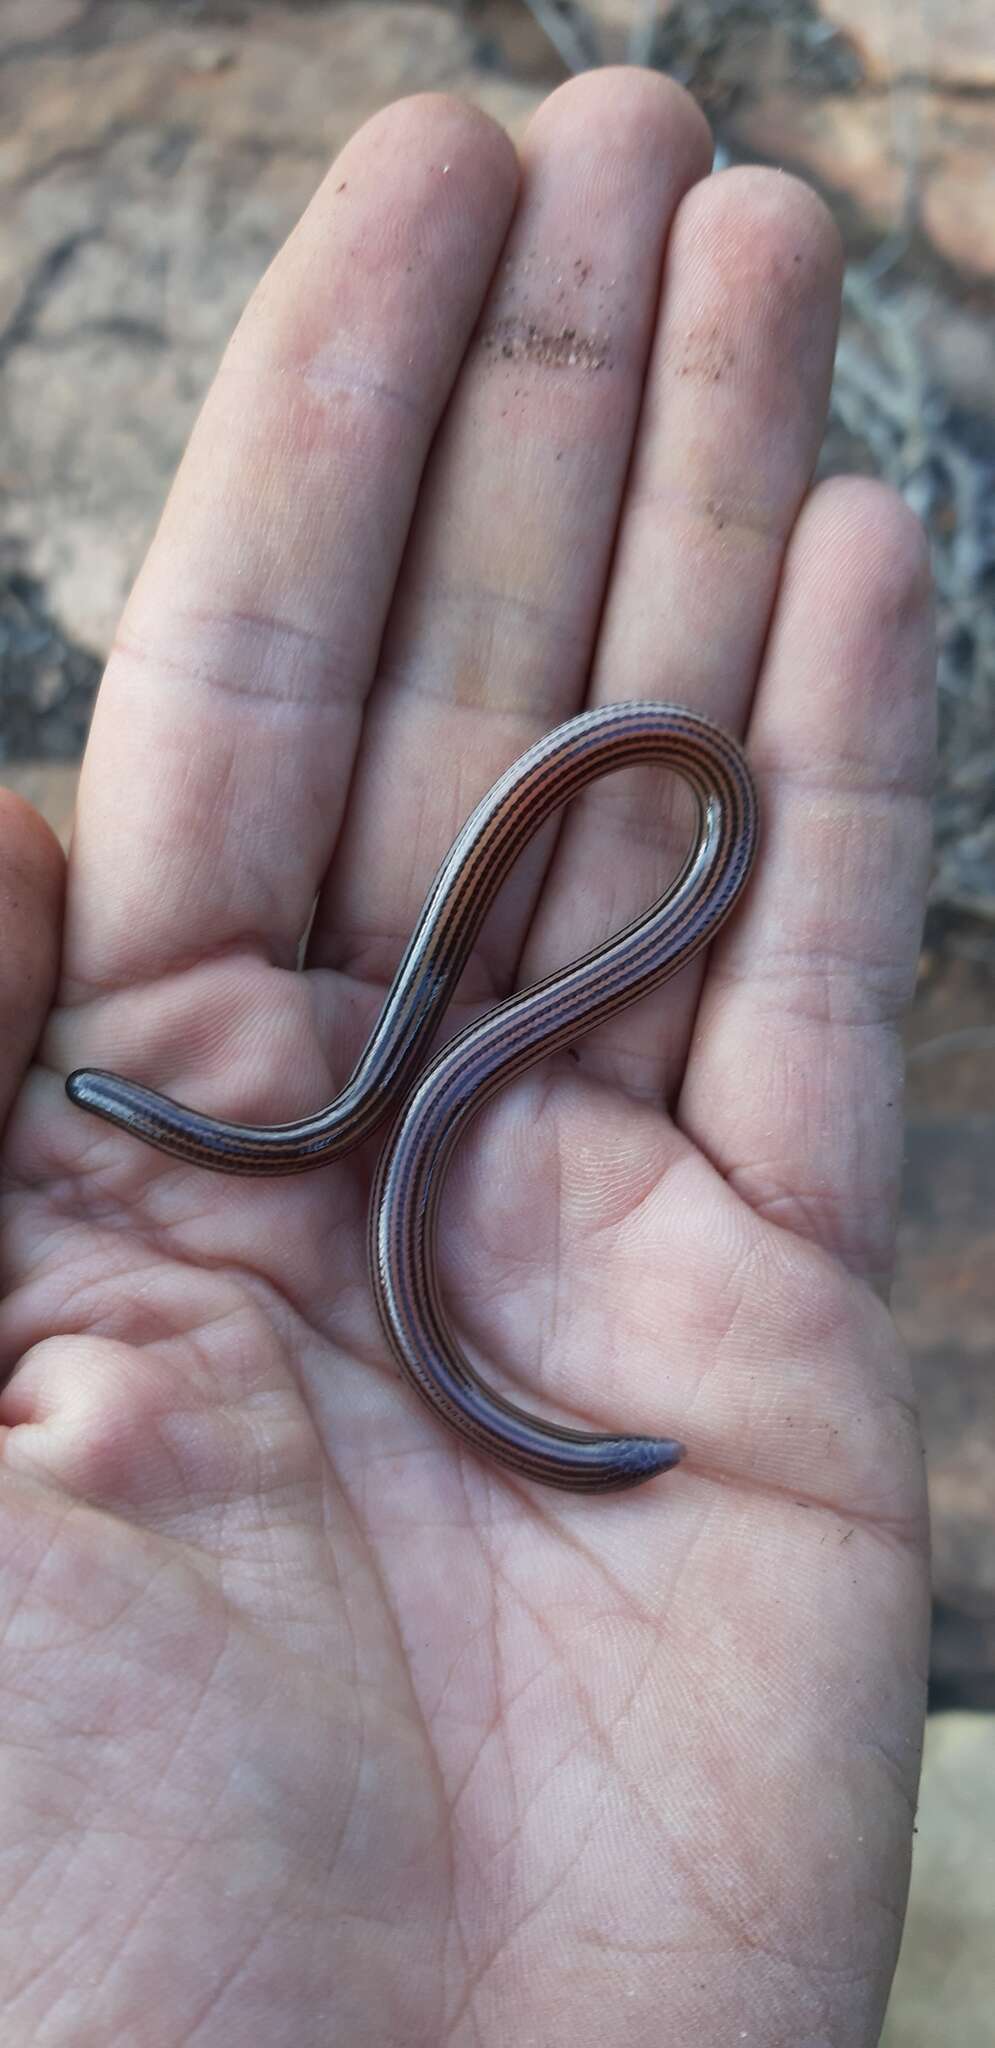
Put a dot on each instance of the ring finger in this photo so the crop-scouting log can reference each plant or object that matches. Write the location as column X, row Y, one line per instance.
column 732, row 420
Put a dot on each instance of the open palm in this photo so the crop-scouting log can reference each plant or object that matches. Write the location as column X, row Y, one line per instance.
column 317, row 1729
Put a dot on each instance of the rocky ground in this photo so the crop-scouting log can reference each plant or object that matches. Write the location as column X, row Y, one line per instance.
column 153, row 154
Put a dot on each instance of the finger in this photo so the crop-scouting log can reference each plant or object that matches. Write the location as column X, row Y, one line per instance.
column 32, row 872
column 734, row 413
column 491, row 637
column 225, row 732
column 794, row 1084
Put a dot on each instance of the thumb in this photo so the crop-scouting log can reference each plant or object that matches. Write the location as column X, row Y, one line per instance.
column 32, row 879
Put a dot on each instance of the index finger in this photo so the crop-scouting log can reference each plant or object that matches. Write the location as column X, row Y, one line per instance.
column 227, row 722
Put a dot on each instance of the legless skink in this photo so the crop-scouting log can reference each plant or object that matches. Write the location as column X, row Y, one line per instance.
column 437, row 1104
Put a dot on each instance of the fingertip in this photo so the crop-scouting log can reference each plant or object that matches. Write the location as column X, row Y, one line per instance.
column 636, row 114
column 777, row 203
column 759, row 240
column 439, row 136
column 866, row 530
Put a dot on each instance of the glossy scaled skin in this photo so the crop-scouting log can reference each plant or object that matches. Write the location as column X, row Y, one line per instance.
column 489, row 1053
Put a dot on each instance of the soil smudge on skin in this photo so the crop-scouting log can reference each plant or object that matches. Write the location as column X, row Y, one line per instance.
column 518, row 340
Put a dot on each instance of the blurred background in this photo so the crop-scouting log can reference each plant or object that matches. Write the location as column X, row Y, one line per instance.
column 154, row 154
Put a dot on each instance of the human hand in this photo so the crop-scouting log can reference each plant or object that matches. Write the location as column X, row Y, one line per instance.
column 317, row 1729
